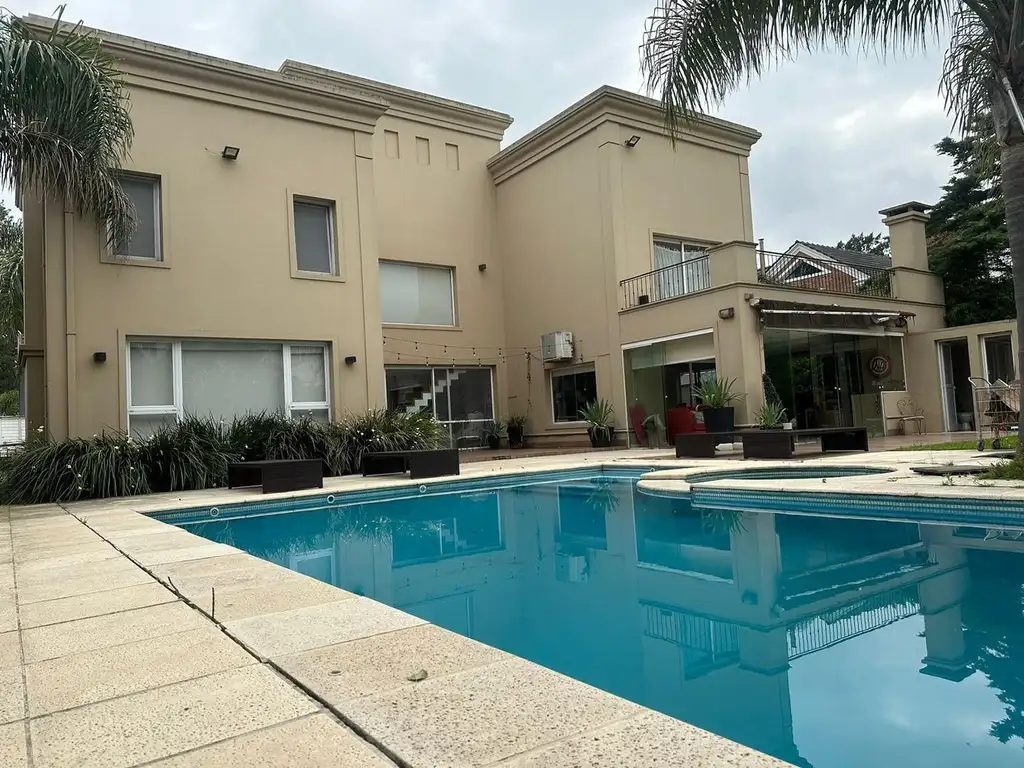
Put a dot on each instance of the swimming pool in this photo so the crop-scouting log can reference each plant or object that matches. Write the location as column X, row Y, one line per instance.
column 821, row 640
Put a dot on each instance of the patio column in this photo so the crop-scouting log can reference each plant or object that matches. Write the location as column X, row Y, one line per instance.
column 911, row 278
column 940, row 599
column 732, row 262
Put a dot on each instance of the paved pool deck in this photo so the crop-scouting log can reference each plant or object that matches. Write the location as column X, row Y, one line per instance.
column 125, row 641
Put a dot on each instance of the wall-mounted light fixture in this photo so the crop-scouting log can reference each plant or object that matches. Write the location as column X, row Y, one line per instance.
column 482, row 267
column 350, row 360
column 99, row 357
column 230, row 153
column 728, row 313
column 632, row 141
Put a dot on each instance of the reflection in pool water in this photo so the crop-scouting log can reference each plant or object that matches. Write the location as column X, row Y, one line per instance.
column 823, row 641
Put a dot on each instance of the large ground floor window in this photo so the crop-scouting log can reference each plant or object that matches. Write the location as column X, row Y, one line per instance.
column 461, row 398
column 834, row 379
column 571, row 392
column 223, row 379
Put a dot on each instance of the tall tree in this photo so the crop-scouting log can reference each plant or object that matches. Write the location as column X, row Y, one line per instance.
column 967, row 239
column 64, row 122
column 871, row 242
column 695, row 52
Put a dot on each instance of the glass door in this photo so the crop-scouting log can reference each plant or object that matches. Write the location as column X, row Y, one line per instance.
column 948, row 386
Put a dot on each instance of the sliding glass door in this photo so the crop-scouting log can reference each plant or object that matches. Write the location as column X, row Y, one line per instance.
column 461, row 398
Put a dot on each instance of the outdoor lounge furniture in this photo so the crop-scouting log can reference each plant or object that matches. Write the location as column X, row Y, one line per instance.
column 277, row 476
column 771, row 443
column 432, row 463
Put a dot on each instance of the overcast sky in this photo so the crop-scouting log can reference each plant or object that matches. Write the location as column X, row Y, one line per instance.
column 842, row 137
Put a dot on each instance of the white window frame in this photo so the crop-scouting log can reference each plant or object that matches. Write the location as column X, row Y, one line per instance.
column 451, row 280
column 551, row 391
column 177, row 409
column 332, row 245
column 158, row 219
column 663, row 286
column 984, row 354
column 449, row 423
column 314, row 554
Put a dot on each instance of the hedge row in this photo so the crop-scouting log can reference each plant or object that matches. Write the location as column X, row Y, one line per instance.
column 194, row 454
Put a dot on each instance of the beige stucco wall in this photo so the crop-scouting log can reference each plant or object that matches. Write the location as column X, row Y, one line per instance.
column 226, row 238
column 693, row 191
column 922, row 362
column 556, row 277
column 444, row 214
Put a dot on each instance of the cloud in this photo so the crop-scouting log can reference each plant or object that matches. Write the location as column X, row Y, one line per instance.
column 843, row 136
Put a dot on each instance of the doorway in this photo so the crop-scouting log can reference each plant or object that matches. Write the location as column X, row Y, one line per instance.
column 955, row 383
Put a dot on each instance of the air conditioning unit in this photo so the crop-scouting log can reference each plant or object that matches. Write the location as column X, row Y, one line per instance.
column 556, row 346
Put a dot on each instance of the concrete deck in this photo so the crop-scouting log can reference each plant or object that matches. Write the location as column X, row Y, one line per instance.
column 125, row 641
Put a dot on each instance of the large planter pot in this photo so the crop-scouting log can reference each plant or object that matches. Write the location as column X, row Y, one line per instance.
column 719, row 419
column 494, row 443
column 516, row 438
column 600, row 437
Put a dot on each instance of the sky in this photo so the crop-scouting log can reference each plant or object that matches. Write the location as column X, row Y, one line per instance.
column 842, row 136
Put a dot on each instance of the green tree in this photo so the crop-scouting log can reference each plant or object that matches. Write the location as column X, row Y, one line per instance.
column 695, row 52
column 872, row 242
column 64, row 122
column 967, row 240
column 12, row 298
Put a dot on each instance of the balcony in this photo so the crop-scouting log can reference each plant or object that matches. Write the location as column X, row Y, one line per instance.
column 666, row 283
column 810, row 274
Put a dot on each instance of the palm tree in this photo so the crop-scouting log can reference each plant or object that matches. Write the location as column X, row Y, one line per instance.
column 64, row 122
column 694, row 52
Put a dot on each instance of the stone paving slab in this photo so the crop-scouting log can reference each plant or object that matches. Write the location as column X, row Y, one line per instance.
column 287, row 632
column 385, row 662
column 10, row 649
column 13, row 745
column 105, row 673
column 164, row 721
column 81, row 585
column 12, row 694
column 55, row 640
column 94, row 604
column 312, row 742
column 485, row 714
column 647, row 739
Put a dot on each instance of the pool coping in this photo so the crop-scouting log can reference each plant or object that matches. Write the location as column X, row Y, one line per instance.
column 275, row 603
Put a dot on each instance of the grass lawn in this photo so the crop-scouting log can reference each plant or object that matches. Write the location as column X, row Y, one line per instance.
column 1010, row 441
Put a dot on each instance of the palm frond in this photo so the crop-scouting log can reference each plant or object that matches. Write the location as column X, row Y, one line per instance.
column 64, row 120
column 971, row 69
column 695, row 52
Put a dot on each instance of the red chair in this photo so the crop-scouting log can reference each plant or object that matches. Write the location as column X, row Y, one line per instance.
column 637, row 417
column 681, row 420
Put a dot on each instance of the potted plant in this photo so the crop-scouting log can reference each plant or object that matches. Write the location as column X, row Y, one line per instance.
column 493, row 434
column 717, row 398
column 771, row 416
column 653, row 426
column 515, row 426
column 601, row 417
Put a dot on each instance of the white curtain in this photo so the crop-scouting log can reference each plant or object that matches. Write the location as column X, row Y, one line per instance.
column 225, row 379
column 152, row 374
column 668, row 257
column 416, row 294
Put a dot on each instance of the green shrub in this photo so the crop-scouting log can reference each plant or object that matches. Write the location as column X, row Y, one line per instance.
column 381, row 430
column 46, row 471
column 10, row 403
column 194, row 454
column 188, row 456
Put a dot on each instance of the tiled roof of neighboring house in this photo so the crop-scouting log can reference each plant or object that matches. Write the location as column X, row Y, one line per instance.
column 853, row 258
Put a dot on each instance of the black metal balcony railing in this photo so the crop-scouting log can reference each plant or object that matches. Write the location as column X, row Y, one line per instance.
column 810, row 274
column 666, row 283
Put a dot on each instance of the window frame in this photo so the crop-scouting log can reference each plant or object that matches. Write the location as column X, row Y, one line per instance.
column 418, row 265
column 449, row 423
column 110, row 256
column 331, row 206
column 551, row 391
column 686, row 278
column 177, row 408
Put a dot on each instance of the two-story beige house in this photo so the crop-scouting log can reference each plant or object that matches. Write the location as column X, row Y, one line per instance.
column 311, row 242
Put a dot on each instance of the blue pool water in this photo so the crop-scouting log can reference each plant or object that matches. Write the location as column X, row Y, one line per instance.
column 825, row 641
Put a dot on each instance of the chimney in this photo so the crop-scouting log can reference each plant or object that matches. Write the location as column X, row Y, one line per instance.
column 906, row 234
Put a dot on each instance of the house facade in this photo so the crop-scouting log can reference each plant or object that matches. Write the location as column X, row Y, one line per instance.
column 315, row 243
